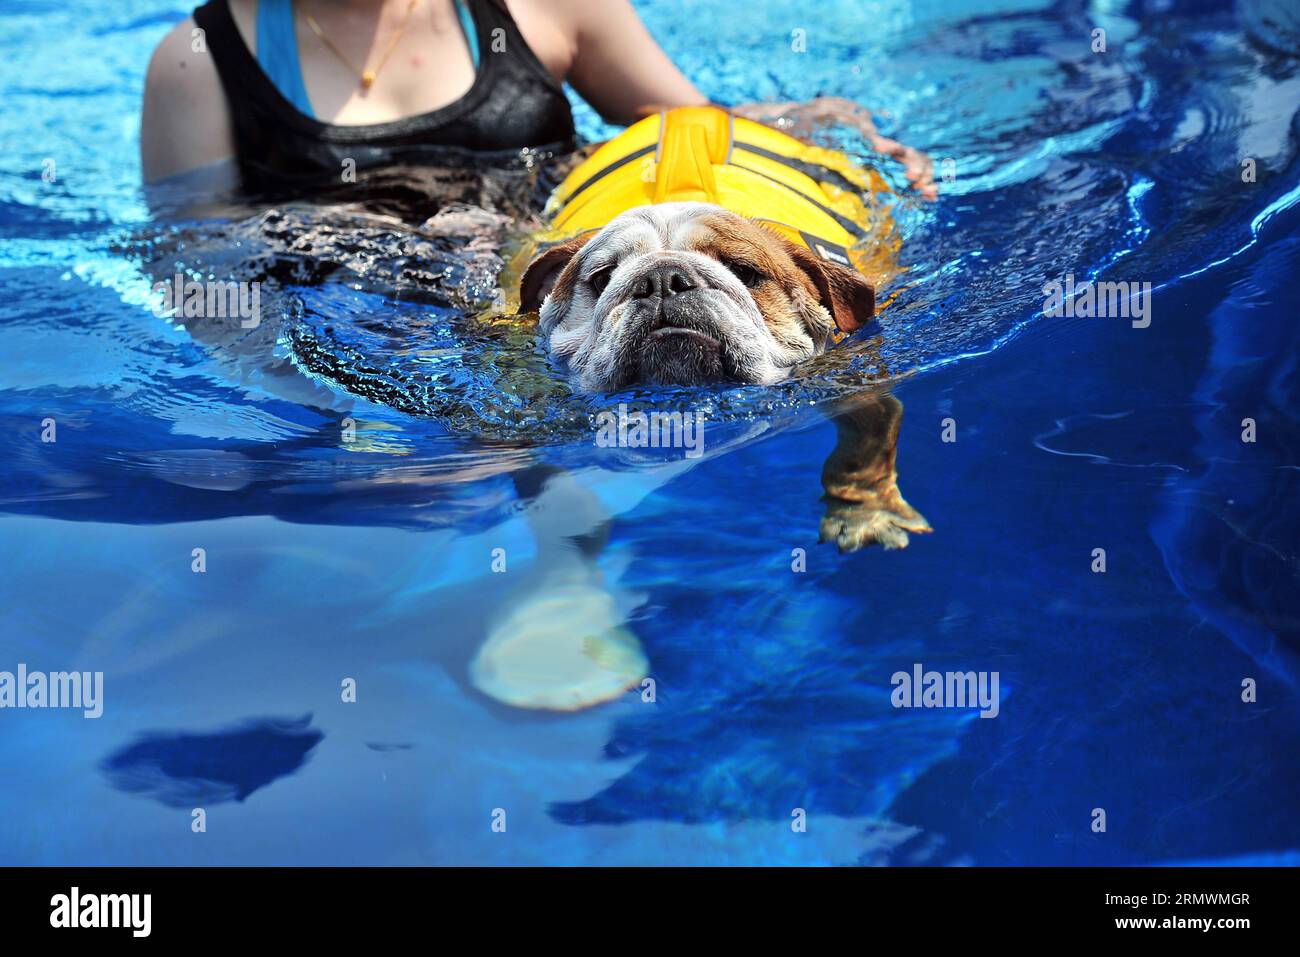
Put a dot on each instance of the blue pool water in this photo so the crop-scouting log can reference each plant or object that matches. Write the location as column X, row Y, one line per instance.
column 372, row 561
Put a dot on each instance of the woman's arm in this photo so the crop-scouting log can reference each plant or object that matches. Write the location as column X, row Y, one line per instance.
column 618, row 68
column 184, row 124
column 616, row 64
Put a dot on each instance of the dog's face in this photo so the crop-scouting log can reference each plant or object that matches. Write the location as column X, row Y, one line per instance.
column 686, row 293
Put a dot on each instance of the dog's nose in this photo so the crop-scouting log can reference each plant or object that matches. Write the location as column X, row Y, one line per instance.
column 661, row 282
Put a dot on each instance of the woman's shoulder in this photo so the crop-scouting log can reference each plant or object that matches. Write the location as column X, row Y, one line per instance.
column 550, row 28
column 184, row 123
column 182, row 69
column 184, row 53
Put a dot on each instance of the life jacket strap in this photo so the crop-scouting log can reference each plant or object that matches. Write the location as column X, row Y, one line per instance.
column 692, row 140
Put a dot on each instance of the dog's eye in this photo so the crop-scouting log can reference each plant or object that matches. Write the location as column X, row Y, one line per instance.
column 599, row 280
column 746, row 273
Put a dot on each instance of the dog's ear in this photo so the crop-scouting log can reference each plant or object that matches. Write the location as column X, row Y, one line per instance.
column 844, row 291
column 540, row 276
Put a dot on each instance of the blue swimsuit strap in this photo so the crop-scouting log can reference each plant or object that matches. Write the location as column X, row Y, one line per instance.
column 277, row 48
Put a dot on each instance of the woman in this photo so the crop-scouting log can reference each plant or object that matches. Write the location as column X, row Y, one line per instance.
column 255, row 92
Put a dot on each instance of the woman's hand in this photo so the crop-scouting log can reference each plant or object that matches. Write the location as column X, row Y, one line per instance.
column 804, row 119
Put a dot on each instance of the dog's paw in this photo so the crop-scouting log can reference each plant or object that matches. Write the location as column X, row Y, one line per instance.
column 885, row 522
column 562, row 645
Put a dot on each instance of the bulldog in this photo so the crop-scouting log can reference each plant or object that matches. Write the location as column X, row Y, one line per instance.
column 692, row 294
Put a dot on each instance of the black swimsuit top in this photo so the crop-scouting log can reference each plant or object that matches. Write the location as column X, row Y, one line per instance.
column 513, row 103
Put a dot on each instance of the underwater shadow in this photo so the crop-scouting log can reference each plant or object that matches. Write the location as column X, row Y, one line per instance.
column 182, row 769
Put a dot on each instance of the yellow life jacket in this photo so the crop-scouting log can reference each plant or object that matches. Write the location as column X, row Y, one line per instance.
column 811, row 195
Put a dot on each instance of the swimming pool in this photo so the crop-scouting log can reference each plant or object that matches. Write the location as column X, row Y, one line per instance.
column 1029, row 442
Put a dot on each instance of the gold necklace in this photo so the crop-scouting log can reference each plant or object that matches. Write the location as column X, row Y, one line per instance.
column 367, row 76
